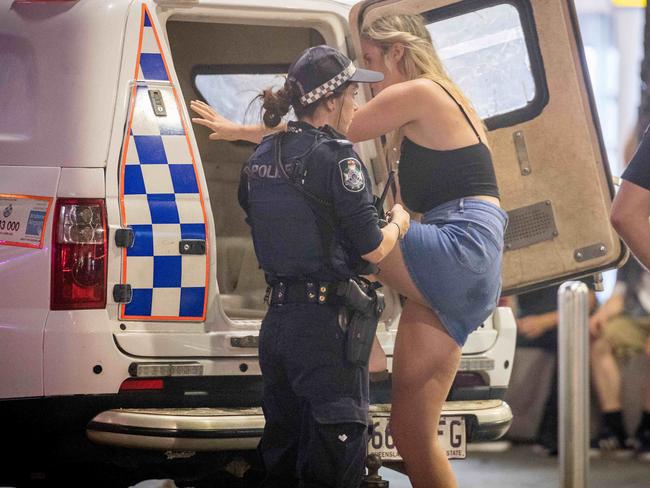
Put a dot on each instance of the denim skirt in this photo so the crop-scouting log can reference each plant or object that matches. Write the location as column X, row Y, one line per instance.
column 454, row 256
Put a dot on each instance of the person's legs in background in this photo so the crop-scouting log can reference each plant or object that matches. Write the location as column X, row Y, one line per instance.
column 547, row 433
column 622, row 335
column 642, row 436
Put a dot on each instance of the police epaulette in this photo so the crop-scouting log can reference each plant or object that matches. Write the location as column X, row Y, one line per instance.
column 344, row 142
column 340, row 142
column 268, row 136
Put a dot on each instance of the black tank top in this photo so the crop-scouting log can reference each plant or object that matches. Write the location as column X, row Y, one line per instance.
column 430, row 177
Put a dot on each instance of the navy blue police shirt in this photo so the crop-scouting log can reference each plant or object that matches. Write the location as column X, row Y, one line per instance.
column 321, row 231
column 638, row 171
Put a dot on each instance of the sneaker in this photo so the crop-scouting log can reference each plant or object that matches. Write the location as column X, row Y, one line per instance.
column 642, row 444
column 611, row 444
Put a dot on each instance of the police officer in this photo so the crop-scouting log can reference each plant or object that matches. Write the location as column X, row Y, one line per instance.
column 308, row 201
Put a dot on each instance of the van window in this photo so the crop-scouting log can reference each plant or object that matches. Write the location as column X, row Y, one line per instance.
column 233, row 95
column 490, row 51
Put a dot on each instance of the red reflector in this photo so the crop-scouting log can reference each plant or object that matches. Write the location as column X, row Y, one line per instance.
column 136, row 384
column 79, row 264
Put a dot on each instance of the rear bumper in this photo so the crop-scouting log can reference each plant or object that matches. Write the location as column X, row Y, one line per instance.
column 193, row 429
column 212, row 429
column 487, row 420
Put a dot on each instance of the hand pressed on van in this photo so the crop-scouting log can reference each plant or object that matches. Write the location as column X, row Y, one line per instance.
column 224, row 129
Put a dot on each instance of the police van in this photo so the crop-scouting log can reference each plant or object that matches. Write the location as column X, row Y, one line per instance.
column 130, row 296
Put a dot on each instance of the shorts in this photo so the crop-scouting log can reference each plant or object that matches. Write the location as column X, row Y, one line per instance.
column 627, row 335
column 454, row 257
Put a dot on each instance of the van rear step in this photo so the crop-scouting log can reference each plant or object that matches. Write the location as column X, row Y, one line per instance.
column 218, row 429
column 195, row 429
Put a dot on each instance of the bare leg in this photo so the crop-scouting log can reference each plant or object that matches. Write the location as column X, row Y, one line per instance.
column 607, row 377
column 426, row 359
column 377, row 362
column 393, row 273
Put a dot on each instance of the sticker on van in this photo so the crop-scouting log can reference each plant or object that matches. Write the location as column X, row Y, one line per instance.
column 22, row 220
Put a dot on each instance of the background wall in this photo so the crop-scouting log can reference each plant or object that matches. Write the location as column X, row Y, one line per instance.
column 613, row 40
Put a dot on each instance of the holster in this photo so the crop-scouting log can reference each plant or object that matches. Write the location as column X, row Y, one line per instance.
column 364, row 307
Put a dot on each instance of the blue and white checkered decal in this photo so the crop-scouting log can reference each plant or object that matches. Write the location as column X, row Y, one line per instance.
column 160, row 199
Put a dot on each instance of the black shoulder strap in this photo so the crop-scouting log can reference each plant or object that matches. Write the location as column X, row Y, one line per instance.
column 326, row 225
column 326, row 237
column 462, row 109
column 277, row 148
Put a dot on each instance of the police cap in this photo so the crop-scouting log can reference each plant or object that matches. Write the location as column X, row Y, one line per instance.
column 322, row 69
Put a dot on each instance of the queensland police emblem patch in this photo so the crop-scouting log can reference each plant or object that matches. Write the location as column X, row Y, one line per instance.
column 352, row 174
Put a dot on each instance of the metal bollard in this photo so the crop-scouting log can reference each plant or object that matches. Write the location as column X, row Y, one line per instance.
column 372, row 479
column 573, row 347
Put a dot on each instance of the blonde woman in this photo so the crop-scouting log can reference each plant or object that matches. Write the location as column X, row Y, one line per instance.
column 449, row 264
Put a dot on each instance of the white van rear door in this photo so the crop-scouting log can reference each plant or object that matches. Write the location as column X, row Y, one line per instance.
column 160, row 197
column 521, row 64
column 160, row 246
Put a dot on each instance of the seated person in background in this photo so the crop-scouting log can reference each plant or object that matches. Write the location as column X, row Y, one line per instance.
column 619, row 328
column 537, row 328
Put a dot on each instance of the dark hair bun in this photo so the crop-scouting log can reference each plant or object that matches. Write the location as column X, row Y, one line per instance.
column 276, row 105
column 271, row 119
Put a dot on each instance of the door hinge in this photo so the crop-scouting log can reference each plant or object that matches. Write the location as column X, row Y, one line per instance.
column 522, row 153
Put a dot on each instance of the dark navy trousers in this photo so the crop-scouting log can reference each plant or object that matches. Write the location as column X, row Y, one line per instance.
column 315, row 403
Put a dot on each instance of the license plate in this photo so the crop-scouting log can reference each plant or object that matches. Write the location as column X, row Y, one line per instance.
column 451, row 435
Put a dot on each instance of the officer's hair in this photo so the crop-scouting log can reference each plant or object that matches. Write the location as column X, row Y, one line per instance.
column 276, row 104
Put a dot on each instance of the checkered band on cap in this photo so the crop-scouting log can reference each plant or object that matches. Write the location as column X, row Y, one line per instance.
column 328, row 86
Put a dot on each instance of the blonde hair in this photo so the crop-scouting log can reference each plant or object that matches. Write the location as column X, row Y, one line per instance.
column 420, row 58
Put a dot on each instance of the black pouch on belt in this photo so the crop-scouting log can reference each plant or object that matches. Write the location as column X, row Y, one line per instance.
column 365, row 307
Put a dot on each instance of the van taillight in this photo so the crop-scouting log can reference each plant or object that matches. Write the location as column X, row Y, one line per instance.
column 79, row 254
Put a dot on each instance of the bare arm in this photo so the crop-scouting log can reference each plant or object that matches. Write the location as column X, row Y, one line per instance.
column 392, row 108
column 227, row 130
column 532, row 326
column 630, row 217
column 612, row 307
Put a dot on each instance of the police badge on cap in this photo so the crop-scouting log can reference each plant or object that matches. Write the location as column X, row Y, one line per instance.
column 352, row 174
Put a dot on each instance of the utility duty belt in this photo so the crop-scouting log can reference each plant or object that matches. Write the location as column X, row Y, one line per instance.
column 359, row 312
column 321, row 292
